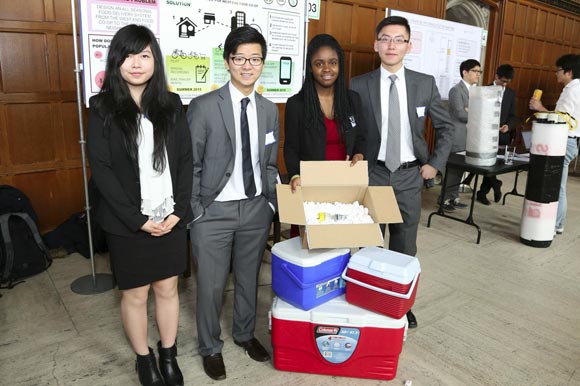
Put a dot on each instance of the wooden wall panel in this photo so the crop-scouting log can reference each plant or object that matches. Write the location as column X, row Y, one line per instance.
column 341, row 15
column 39, row 149
column 533, row 37
column 29, row 10
column 70, row 129
column 66, row 62
column 31, row 135
column 24, row 62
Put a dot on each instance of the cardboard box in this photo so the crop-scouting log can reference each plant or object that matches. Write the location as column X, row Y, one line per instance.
column 337, row 181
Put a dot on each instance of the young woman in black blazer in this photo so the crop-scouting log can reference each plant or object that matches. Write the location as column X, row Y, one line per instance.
column 323, row 121
column 139, row 150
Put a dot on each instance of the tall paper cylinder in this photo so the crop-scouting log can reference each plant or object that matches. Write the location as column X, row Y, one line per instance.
column 483, row 125
column 549, row 137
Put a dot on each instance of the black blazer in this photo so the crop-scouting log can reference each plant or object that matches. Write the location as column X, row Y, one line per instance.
column 303, row 143
column 117, row 176
column 508, row 115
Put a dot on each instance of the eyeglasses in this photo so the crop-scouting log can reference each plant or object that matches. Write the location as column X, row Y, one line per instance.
column 559, row 69
column 504, row 81
column 477, row 71
column 240, row 60
column 396, row 40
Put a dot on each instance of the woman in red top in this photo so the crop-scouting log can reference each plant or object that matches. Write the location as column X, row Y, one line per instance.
column 323, row 121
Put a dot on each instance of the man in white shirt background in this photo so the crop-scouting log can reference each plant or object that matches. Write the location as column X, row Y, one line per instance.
column 567, row 73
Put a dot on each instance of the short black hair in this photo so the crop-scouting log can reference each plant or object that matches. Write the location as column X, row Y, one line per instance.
column 467, row 65
column 570, row 62
column 505, row 71
column 243, row 35
column 393, row 20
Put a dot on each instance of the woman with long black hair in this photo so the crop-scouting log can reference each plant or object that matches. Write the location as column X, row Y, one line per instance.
column 322, row 121
column 139, row 150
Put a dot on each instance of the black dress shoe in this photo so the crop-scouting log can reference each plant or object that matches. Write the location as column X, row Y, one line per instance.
column 483, row 200
column 497, row 191
column 411, row 319
column 254, row 349
column 213, row 365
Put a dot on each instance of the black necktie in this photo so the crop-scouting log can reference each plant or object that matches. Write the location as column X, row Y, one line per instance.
column 248, row 169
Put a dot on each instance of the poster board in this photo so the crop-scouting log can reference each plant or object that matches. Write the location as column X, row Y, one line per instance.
column 439, row 46
column 191, row 34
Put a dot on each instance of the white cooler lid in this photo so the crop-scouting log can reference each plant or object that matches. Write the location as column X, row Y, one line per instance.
column 292, row 251
column 385, row 264
column 336, row 312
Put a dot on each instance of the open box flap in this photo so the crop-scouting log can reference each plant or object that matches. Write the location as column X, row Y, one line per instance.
column 333, row 173
column 343, row 235
column 290, row 205
column 382, row 205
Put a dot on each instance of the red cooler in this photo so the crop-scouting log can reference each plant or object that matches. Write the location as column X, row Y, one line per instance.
column 382, row 281
column 336, row 338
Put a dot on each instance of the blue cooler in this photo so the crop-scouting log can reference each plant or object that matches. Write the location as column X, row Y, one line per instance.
column 307, row 278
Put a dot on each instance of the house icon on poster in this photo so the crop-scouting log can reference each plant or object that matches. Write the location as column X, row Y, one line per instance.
column 186, row 27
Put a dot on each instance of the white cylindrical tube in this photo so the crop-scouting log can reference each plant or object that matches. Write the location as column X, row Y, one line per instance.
column 549, row 137
column 483, row 125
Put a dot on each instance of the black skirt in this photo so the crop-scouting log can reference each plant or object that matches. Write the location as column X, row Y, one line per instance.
column 143, row 259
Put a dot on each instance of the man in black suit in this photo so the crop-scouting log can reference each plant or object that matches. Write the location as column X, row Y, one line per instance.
column 507, row 120
column 396, row 102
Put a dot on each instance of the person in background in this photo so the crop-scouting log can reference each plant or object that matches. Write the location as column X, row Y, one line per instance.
column 395, row 103
column 470, row 71
column 507, row 125
column 568, row 74
column 323, row 121
column 235, row 133
column 140, row 155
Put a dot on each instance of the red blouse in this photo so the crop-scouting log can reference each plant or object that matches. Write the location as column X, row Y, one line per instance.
column 335, row 149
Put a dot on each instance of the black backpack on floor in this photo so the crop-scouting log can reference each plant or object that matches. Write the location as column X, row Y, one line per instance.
column 22, row 251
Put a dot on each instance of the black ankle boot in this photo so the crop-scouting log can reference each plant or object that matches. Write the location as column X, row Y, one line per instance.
column 168, row 365
column 147, row 370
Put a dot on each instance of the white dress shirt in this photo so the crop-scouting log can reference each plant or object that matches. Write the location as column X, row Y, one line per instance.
column 234, row 189
column 569, row 102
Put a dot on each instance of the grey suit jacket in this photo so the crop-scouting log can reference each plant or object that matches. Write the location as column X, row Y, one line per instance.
column 422, row 99
column 458, row 101
column 212, row 127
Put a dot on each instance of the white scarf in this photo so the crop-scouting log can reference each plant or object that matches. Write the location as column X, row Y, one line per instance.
column 156, row 188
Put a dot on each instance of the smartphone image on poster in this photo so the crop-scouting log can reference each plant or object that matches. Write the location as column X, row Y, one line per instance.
column 285, row 70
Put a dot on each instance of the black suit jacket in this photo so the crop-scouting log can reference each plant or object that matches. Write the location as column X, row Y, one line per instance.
column 116, row 175
column 507, row 115
column 303, row 143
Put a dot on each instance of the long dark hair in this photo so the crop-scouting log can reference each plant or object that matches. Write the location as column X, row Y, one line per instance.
column 119, row 107
column 342, row 107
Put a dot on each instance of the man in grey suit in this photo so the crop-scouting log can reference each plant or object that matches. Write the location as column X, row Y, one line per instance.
column 470, row 71
column 234, row 132
column 396, row 102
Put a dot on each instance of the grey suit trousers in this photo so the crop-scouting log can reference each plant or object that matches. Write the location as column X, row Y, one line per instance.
column 229, row 232
column 407, row 184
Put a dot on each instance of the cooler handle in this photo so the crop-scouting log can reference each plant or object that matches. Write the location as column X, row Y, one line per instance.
column 382, row 290
column 306, row 285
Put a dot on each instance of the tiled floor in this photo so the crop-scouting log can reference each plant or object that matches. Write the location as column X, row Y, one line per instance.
column 497, row 313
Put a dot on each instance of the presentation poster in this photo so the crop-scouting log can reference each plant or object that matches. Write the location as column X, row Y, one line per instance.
column 191, row 34
column 439, row 46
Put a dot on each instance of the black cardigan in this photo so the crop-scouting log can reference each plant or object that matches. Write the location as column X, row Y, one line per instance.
column 303, row 143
